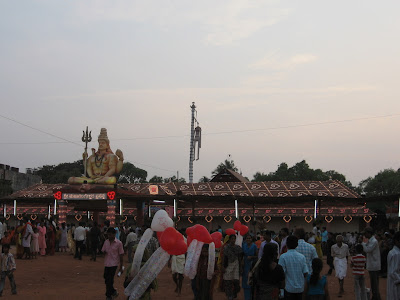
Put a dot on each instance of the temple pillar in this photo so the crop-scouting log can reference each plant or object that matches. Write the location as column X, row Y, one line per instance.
column 62, row 212
column 96, row 217
column 111, row 206
column 139, row 213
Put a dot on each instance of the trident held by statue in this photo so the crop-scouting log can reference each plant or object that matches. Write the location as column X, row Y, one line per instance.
column 86, row 138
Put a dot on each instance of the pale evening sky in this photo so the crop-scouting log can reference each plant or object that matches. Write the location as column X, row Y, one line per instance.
column 134, row 67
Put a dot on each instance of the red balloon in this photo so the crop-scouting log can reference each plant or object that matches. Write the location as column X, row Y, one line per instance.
column 237, row 225
column 243, row 230
column 230, row 231
column 159, row 234
column 217, row 237
column 202, row 234
column 173, row 242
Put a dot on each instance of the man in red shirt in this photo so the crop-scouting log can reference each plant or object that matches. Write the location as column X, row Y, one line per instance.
column 114, row 252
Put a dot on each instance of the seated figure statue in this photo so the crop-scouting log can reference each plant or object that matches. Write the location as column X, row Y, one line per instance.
column 103, row 165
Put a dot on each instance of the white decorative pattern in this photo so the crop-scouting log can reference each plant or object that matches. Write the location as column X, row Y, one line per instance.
column 294, row 186
column 237, row 187
column 275, row 186
column 202, row 187
column 255, row 187
column 313, row 186
column 218, row 187
column 282, row 194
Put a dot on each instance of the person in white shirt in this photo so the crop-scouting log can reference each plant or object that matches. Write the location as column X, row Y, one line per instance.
column 131, row 239
column 79, row 237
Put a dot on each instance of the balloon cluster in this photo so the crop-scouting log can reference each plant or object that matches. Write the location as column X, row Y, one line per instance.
column 239, row 230
column 171, row 242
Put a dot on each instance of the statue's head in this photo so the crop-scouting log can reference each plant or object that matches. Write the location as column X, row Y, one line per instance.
column 104, row 142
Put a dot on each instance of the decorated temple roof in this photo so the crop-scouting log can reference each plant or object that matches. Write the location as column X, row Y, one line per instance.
column 269, row 189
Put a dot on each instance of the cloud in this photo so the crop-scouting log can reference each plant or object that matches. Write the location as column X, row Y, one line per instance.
column 274, row 62
column 221, row 22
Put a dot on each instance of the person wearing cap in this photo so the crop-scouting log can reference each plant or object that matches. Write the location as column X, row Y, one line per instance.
column 371, row 248
column 114, row 255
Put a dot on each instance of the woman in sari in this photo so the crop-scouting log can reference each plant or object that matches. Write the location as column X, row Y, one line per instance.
column 128, row 278
column 269, row 276
column 19, row 231
column 220, row 265
column 231, row 268
column 249, row 258
column 318, row 244
column 71, row 242
column 42, row 238
column 51, row 239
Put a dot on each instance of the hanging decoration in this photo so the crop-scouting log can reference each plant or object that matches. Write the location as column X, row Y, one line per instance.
column 227, row 219
column 348, row 219
column 190, row 220
column 287, row 219
column 123, row 220
column 328, row 219
column 209, row 218
column 33, row 217
column 367, row 219
column 8, row 217
column 267, row 219
column 247, row 219
column 308, row 219
column 78, row 217
column 19, row 217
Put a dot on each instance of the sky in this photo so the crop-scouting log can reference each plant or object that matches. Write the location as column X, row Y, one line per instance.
column 273, row 81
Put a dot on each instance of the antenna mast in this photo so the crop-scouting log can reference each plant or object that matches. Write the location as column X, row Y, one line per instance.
column 195, row 138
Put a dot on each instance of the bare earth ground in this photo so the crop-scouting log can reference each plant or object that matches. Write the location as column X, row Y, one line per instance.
column 63, row 277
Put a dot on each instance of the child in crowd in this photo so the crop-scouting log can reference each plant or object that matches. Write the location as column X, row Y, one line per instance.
column 316, row 285
column 35, row 242
column 7, row 268
column 358, row 265
column 6, row 240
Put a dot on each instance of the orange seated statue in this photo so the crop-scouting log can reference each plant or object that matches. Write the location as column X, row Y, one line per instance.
column 103, row 165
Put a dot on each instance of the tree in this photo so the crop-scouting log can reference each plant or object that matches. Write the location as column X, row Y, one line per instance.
column 59, row 173
column 386, row 182
column 132, row 174
column 156, row 179
column 204, row 179
column 174, row 179
column 227, row 164
column 298, row 172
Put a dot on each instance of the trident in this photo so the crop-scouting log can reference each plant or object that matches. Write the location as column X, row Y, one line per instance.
column 86, row 138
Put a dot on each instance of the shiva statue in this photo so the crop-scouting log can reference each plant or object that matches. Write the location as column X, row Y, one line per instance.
column 103, row 165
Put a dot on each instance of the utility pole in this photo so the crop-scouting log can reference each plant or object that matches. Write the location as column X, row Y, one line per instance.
column 191, row 159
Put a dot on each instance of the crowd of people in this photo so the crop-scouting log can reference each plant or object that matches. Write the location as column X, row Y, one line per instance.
column 285, row 265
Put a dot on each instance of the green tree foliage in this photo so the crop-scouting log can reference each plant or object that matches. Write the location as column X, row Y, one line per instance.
column 204, row 179
column 174, row 179
column 59, row 173
column 156, row 179
column 132, row 174
column 298, row 172
column 386, row 182
column 227, row 164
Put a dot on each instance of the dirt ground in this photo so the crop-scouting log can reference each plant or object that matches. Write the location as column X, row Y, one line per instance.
column 63, row 277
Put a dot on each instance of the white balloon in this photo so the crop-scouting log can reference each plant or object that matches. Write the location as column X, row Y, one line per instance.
column 195, row 261
column 211, row 261
column 137, row 259
column 147, row 274
column 161, row 221
column 239, row 240
column 189, row 257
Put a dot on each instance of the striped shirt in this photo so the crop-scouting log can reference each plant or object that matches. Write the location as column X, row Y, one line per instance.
column 358, row 262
